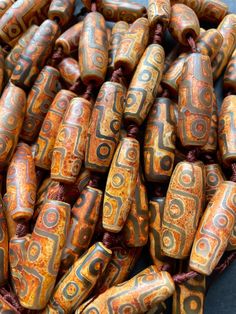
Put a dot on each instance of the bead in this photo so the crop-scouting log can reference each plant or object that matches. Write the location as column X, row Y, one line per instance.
column 227, row 28
column 104, row 127
column 120, row 186
column 159, row 308
column 195, row 101
column 61, row 10
column 49, row 129
column 2, row 69
column 39, row 100
column 229, row 76
column 214, row 177
column 158, row 12
column 35, row 55
column 3, row 247
column 69, row 70
column 12, row 110
column 209, row 43
column 21, row 184
column 69, row 40
column 93, row 49
column 5, row 5
column 15, row 53
column 214, row 229
column 232, row 240
column 11, row 224
column 183, row 209
column 226, row 130
column 183, row 24
column 159, row 141
column 84, row 216
column 120, row 10
column 143, row 87
column 135, row 231
column 69, row 147
column 41, row 265
column 171, row 57
column 81, row 278
column 132, row 46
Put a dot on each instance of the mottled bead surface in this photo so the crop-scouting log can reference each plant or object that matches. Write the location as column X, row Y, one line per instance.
column 214, row 178
column 69, row 70
column 209, row 43
column 61, row 10
column 5, row 5
column 3, row 247
column 11, row 224
column 232, row 240
column 158, row 12
column 230, row 75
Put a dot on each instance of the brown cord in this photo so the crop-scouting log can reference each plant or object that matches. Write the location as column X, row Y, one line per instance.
column 12, row 299
column 94, row 181
column 209, row 159
column 6, row 50
column 75, row 88
column 57, row 56
column 132, row 130
column 192, row 155
column 233, row 177
column 182, row 278
column 88, row 93
column 165, row 267
column 93, row 6
column 117, row 76
column 22, row 229
column 113, row 240
column 158, row 191
column 165, row 93
column 158, row 34
column 192, row 44
column 57, row 193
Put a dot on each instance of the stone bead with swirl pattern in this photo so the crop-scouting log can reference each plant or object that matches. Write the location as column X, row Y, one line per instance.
column 69, row 70
column 159, row 12
column 61, row 10
column 230, row 75
column 5, row 5
column 3, row 247
column 214, row 178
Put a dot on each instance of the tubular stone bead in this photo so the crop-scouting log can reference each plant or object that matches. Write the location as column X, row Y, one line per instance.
column 62, row 10
column 5, row 5
column 3, row 247
column 159, row 12
column 209, row 43
column 69, row 70
column 232, row 240
column 214, row 177
column 2, row 69
column 214, row 229
column 230, row 75
column 11, row 224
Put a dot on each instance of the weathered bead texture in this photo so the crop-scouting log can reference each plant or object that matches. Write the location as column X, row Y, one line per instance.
column 69, row 70
column 230, row 75
column 214, row 178
column 159, row 12
column 62, row 10
column 3, row 248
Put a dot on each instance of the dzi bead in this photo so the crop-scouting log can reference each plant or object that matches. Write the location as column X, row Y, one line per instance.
column 61, row 10
column 3, row 247
column 2, row 69
column 230, row 76
column 214, row 178
column 209, row 43
column 11, row 224
column 5, row 5
column 159, row 12
column 69, row 70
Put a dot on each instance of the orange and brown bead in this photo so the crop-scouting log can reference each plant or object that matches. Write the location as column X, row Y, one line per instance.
column 214, row 178
column 230, row 76
column 159, row 13
column 3, row 246
column 69, row 70
column 61, row 10
column 5, row 5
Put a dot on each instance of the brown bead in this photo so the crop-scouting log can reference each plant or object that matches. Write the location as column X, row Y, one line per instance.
column 214, row 177
column 159, row 12
column 159, row 141
column 5, row 5
column 120, row 10
column 120, row 186
column 21, row 184
column 93, row 49
column 104, row 127
column 227, row 28
column 132, row 46
column 87, row 4
column 195, row 101
column 69, row 147
column 183, row 209
column 3, row 247
column 39, row 100
column 209, row 43
column 35, row 55
column 226, row 131
column 143, row 87
column 41, row 265
column 11, row 224
column 230, row 76
column 69, row 70
column 214, row 229
column 2, row 69
column 49, row 129
column 12, row 110
column 62, row 10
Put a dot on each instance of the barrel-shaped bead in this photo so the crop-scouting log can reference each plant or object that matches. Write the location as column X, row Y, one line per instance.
column 214, row 229
column 159, row 12
column 69, row 70
column 5, row 5
column 62, row 10
column 214, row 178
column 11, row 224
column 3, row 247
column 210, row 42
column 230, row 76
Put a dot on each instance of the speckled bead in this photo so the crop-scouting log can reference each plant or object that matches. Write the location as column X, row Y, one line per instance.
column 227, row 28
column 159, row 12
column 69, row 147
column 21, row 184
column 104, row 127
column 230, row 76
column 69, row 70
column 84, row 216
column 12, row 110
column 35, row 55
column 11, row 224
column 159, row 141
column 226, row 131
column 120, row 10
column 143, row 87
column 5, row 5
column 120, row 186
column 183, row 208
column 41, row 265
column 195, row 101
column 39, row 100
column 3, row 247
column 49, row 129
column 62, row 10
column 81, row 278
column 214, row 177
column 93, row 49
column 214, row 229
column 132, row 46
column 209, row 43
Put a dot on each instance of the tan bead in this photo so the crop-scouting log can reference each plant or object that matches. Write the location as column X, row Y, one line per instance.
column 214, row 178
column 209, row 43
column 61, row 10
column 229, row 76
column 132, row 46
column 11, row 224
column 5, row 5
column 143, row 87
column 183, row 209
column 159, row 12
column 3, row 246
column 69, row 70
column 120, row 186
column 214, row 229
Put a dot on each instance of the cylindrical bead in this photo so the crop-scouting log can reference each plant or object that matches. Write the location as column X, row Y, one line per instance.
column 62, row 10
column 226, row 131
column 159, row 12
column 143, row 87
column 230, row 76
column 183, row 209
column 21, row 184
column 93, row 49
column 195, row 101
column 35, row 55
column 49, row 129
column 11, row 224
column 5, row 5
column 69, row 147
column 3, row 247
column 159, row 141
column 39, row 100
column 104, row 127
column 209, row 43
column 41, row 265
column 132, row 46
column 81, row 278
column 12, row 110
column 120, row 10
column 120, row 186
column 2, row 69
column 232, row 240
column 214, row 229
column 69, row 70
column 214, row 177
column 84, row 217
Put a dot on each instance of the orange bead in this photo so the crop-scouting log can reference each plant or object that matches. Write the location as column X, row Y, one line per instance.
column 5, row 5
column 214, row 178
column 11, row 224
column 3, row 247
column 159, row 12
column 61, row 10
column 229, row 76
column 69, row 70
